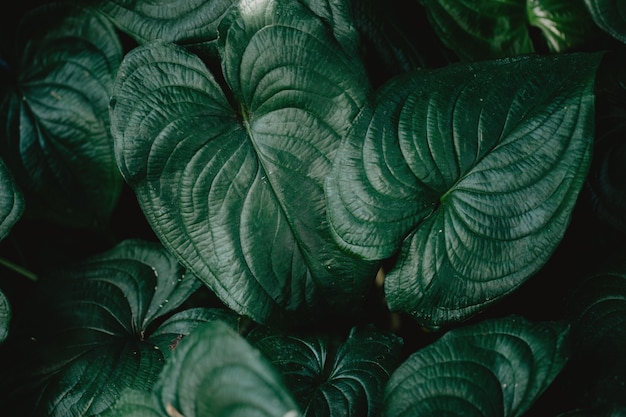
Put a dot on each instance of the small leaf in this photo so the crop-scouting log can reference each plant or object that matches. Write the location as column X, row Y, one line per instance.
column 472, row 172
column 215, row 371
column 329, row 380
column 58, row 143
column 498, row 367
column 88, row 332
column 11, row 201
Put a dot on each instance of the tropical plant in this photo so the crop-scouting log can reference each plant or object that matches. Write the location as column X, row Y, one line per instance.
column 313, row 208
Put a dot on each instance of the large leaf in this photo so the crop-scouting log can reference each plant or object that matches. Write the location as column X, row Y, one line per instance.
column 501, row 28
column 610, row 16
column 498, row 367
column 11, row 201
column 89, row 330
column 329, row 377
column 471, row 171
column 238, row 194
column 213, row 372
column 58, row 143
column 181, row 21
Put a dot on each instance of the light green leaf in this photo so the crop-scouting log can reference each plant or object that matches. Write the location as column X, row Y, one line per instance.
column 58, row 144
column 215, row 371
column 183, row 21
column 238, row 194
column 498, row 367
column 610, row 16
column 88, row 333
column 11, row 201
column 333, row 377
column 471, row 171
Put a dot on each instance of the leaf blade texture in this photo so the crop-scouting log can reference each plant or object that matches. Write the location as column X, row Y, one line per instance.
column 237, row 193
column 58, row 143
column 470, row 189
column 497, row 367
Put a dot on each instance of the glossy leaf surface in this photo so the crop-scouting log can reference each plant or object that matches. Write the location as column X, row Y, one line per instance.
column 180, row 21
column 215, row 371
column 330, row 377
column 469, row 175
column 238, row 194
column 498, row 367
column 95, row 338
column 58, row 143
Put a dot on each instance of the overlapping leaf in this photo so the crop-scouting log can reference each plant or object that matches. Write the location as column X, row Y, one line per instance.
column 213, row 372
column 332, row 378
column 502, row 28
column 11, row 201
column 610, row 16
column 238, row 194
column 96, row 335
column 58, row 144
column 470, row 171
column 498, row 367
column 181, row 21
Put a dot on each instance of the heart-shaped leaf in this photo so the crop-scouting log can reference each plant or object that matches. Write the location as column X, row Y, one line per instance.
column 238, row 195
column 610, row 16
column 88, row 333
column 11, row 201
column 58, row 143
column 181, row 21
column 330, row 377
column 472, row 171
column 498, row 367
column 502, row 28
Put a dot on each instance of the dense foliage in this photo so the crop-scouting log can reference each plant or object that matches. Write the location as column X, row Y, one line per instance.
column 313, row 207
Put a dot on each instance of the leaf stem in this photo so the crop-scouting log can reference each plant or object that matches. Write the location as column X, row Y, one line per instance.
column 20, row 270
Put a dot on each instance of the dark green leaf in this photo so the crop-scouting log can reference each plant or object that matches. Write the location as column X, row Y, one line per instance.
column 181, row 21
column 329, row 380
column 216, row 372
column 135, row 403
column 88, row 333
column 238, row 195
column 564, row 24
column 610, row 16
column 598, row 308
column 502, row 28
column 498, row 367
column 58, row 143
column 11, row 201
column 5, row 316
column 472, row 171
